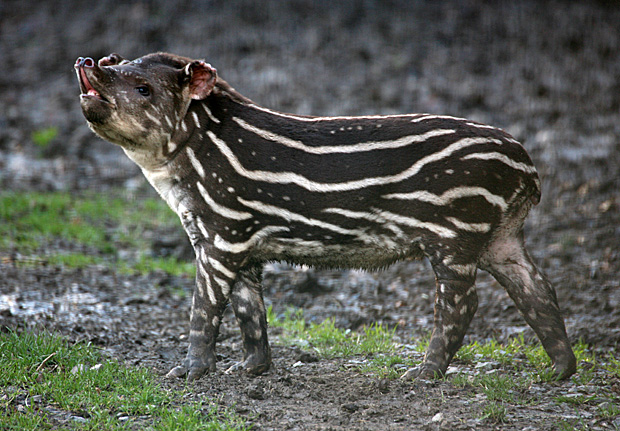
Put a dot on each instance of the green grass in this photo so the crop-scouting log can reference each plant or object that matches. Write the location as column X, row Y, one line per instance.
column 43, row 137
column 327, row 340
column 45, row 379
column 75, row 231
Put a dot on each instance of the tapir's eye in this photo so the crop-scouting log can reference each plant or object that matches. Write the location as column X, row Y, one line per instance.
column 143, row 90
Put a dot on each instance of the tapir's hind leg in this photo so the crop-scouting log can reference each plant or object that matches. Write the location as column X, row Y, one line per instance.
column 509, row 262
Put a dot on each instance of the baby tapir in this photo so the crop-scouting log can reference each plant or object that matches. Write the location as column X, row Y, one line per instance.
column 252, row 185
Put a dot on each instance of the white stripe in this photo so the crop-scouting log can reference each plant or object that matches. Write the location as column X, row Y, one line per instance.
column 219, row 209
column 502, row 158
column 367, row 216
column 355, row 214
column 240, row 247
column 424, row 117
column 470, row 227
column 209, row 113
column 202, row 228
column 224, row 285
column 195, row 163
column 310, row 119
column 291, row 177
column 196, row 120
column 330, row 149
column 210, row 291
column 291, row 216
column 302, row 243
column 218, row 266
column 450, row 195
column 152, row 118
column 443, row 232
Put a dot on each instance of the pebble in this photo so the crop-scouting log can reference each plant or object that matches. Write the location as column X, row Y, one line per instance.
column 78, row 419
column 437, row 418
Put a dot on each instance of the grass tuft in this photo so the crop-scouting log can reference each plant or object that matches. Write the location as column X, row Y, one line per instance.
column 48, row 382
column 327, row 340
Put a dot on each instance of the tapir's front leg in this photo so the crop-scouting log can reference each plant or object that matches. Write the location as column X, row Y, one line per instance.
column 208, row 303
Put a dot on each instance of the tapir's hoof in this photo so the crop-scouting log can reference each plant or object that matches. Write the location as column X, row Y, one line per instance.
column 563, row 369
column 423, row 372
column 251, row 366
column 177, row 372
column 191, row 372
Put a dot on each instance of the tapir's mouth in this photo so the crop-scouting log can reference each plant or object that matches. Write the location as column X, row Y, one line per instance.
column 86, row 88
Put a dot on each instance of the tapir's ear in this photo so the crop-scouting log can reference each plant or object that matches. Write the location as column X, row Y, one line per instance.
column 201, row 77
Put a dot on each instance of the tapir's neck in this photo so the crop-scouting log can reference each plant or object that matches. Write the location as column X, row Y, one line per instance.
column 190, row 156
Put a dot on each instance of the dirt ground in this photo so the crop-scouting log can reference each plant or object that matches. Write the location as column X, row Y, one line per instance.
column 546, row 71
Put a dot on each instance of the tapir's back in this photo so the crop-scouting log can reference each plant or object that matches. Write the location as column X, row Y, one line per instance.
column 376, row 184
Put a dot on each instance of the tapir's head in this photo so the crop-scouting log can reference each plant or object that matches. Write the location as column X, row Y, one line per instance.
column 139, row 104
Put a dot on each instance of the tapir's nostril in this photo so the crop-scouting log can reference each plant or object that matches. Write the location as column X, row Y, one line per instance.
column 84, row 62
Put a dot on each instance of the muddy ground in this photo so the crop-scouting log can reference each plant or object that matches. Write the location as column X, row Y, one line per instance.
column 548, row 72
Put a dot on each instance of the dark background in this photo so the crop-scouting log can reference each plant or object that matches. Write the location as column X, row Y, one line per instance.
column 546, row 71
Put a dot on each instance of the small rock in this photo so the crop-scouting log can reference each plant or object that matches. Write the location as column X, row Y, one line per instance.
column 78, row 419
column 485, row 365
column 384, row 386
column 256, row 392
column 350, row 407
column 307, row 357
column 452, row 370
column 437, row 418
